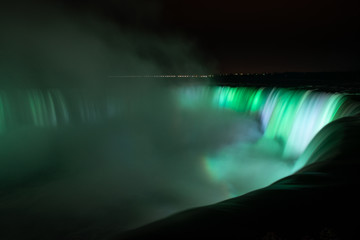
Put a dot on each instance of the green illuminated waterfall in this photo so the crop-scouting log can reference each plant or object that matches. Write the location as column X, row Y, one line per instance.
column 291, row 116
column 288, row 120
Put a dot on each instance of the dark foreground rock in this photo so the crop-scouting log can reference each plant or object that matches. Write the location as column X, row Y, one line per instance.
column 319, row 202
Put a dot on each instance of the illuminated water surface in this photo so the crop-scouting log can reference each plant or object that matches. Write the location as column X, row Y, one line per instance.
column 164, row 151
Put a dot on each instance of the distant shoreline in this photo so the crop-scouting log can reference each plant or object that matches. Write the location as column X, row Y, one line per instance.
column 344, row 82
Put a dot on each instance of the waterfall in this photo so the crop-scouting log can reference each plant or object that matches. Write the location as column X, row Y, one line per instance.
column 164, row 150
column 50, row 108
column 289, row 118
column 292, row 117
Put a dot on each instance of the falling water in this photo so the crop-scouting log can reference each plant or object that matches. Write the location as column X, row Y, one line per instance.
column 290, row 116
column 226, row 141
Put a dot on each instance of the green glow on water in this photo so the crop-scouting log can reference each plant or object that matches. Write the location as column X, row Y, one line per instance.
column 2, row 111
column 239, row 99
column 290, row 116
column 47, row 107
column 247, row 100
column 33, row 107
column 298, row 115
column 289, row 120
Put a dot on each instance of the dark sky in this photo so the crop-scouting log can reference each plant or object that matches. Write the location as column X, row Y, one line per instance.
column 251, row 36
column 255, row 36
column 258, row 36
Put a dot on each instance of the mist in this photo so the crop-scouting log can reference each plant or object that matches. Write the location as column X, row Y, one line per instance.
column 48, row 45
column 148, row 159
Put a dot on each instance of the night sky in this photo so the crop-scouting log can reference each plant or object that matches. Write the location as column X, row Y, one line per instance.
column 238, row 36
column 260, row 36
column 254, row 36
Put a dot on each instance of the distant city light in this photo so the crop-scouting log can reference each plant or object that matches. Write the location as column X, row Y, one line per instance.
column 188, row 75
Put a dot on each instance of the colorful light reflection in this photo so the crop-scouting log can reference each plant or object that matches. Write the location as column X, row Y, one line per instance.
column 290, row 118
